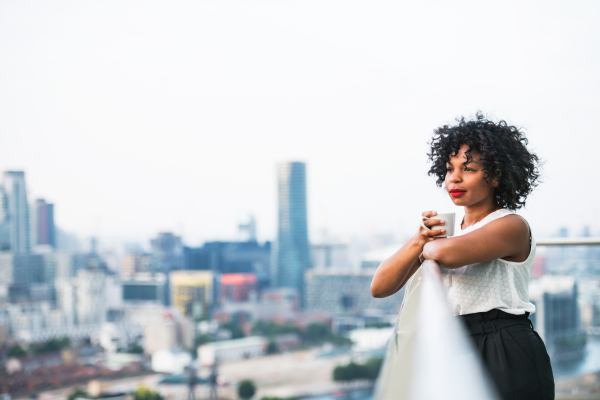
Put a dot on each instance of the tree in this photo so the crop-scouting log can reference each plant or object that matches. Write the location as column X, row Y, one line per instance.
column 78, row 393
column 270, row 328
column 246, row 389
column 373, row 366
column 16, row 351
column 349, row 372
column 202, row 338
column 352, row 371
column 143, row 393
column 272, row 347
column 50, row 346
column 317, row 332
column 234, row 328
column 378, row 325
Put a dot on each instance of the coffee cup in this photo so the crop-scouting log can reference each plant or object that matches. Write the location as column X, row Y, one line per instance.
column 448, row 218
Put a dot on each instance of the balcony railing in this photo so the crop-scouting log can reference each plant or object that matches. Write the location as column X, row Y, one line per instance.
column 430, row 345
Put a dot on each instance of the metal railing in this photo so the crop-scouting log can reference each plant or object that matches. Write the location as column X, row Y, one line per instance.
column 429, row 344
column 429, row 347
column 565, row 241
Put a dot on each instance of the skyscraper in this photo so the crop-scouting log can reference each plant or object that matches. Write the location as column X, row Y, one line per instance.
column 43, row 215
column 15, row 212
column 291, row 256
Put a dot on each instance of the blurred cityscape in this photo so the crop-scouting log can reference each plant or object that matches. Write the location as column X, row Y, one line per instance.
column 294, row 316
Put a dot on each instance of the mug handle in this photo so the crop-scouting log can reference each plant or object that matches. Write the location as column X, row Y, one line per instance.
column 423, row 223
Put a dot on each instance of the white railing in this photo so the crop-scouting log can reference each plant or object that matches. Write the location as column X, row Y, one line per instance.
column 430, row 355
column 562, row 241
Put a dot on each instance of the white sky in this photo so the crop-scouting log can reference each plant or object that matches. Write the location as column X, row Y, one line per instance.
column 141, row 116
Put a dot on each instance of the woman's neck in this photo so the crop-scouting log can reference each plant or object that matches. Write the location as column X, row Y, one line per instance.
column 475, row 213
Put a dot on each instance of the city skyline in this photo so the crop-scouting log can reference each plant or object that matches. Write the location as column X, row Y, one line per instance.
column 127, row 143
column 193, row 183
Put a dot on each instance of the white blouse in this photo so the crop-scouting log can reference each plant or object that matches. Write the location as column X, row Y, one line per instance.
column 492, row 284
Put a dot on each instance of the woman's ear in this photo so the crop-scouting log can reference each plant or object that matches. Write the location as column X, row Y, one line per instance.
column 494, row 182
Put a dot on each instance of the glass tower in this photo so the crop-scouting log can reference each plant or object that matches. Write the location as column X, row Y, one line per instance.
column 43, row 215
column 16, row 213
column 291, row 253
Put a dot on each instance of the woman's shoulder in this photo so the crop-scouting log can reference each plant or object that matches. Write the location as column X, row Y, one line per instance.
column 511, row 227
column 500, row 223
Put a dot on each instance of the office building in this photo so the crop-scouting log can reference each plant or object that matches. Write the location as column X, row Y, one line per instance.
column 59, row 265
column 168, row 333
column 133, row 263
column 557, row 318
column 144, row 287
column 4, row 221
column 44, row 232
column 15, row 213
column 89, row 297
column 589, row 300
column 192, row 292
column 229, row 257
column 341, row 291
column 328, row 255
column 238, row 287
column 291, row 254
column 18, row 272
column 167, row 252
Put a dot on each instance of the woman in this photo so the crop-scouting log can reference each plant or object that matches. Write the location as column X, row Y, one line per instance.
column 487, row 169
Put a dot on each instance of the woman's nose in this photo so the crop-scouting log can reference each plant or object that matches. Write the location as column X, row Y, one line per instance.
column 455, row 176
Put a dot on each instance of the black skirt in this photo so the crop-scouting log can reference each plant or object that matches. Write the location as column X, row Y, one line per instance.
column 514, row 354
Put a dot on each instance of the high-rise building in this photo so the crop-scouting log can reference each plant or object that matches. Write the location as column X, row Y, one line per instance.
column 291, row 256
column 557, row 316
column 328, row 255
column 18, row 272
column 341, row 291
column 144, row 287
column 4, row 221
column 167, row 252
column 238, row 287
column 192, row 292
column 229, row 257
column 44, row 232
column 15, row 213
column 132, row 263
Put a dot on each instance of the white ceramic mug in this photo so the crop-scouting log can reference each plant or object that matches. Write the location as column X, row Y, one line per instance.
column 448, row 225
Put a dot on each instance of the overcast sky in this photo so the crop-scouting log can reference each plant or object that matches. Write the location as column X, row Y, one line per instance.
column 135, row 117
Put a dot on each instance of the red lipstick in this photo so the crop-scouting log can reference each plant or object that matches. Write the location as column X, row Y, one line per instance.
column 457, row 192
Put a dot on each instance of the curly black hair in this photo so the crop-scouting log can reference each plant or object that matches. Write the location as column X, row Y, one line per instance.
column 504, row 156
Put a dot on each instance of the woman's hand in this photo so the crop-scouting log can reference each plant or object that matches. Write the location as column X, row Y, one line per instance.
column 425, row 236
column 394, row 272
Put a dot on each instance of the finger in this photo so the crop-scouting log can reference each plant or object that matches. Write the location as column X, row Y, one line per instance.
column 429, row 213
column 435, row 232
column 432, row 222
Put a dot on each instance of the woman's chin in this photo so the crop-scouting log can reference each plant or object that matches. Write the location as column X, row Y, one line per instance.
column 458, row 201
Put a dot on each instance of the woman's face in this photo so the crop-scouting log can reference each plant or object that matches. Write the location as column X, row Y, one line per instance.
column 465, row 183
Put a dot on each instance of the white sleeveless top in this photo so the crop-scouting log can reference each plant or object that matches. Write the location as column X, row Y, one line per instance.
column 492, row 284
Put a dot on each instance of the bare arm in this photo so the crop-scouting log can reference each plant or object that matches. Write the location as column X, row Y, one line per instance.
column 394, row 272
column 506, row 238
